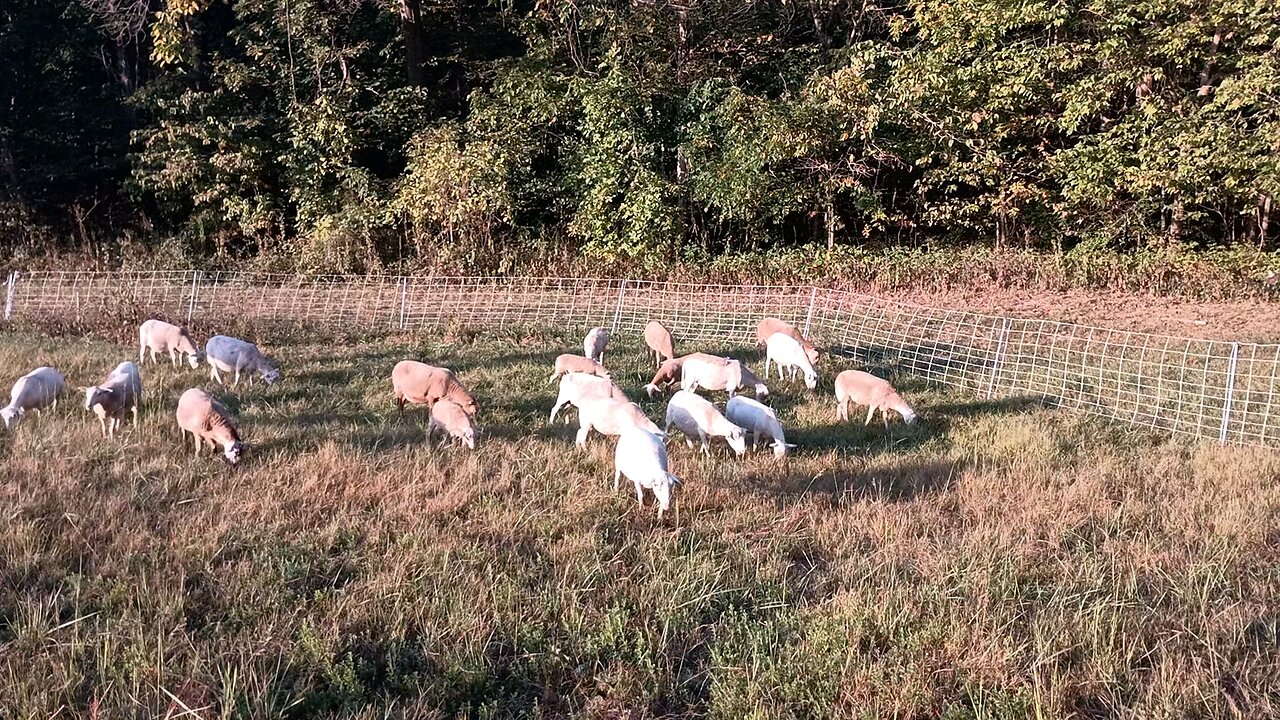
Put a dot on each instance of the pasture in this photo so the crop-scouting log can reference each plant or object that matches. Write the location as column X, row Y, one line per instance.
column 999, row 559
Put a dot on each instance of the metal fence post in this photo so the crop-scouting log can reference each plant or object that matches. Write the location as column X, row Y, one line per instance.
column 8, row 295
column 404, row 301
column 995, row 365
column 617, row 313
column 1226, row 401
column 813, row 297
column 195, row 289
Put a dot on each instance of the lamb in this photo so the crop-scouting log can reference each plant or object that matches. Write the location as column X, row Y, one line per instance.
column 610, row 416
column 33, row 391
column 759, row 420
column 866, row 389
column 788, row 353
column 121, row 391
column 769, row 326
column 228, row 354
column 668, row 372
column 641, row 456
column 577, row 388
column 423, row 384
column 709, row 372
column 695, row 417
column 160, row 336
column 658, row 338
column 568, row 363
column 593, row 344
column 210, row 422
column 452, row 420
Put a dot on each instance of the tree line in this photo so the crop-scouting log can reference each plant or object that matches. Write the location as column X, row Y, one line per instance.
column 343, row 135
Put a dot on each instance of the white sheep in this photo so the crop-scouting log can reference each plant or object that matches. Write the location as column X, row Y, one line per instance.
column 452, row 420
column 610, row 416
column 33, row 391
column 228, row 354
column 121, row 391
column 700, row 370
column 658, row 338
column 760, row 421
column 769, row 326
column 576, row 388
column 876, row 393
column 642, row 457
column 159, row 336
column 695, row 417
column 593, row 345
column 568, row 363
column 210, row 422
column 423, row 384
column 788, row 353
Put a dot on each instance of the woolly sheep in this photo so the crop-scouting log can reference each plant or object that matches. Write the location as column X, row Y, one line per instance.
column 788, row 353
column 769, row 326
column 658, row 338
column 709, row 372
column 610, row 416
column 33, row 391
column 642, row 457
column 568, row 363
column 159, row 336
column 759, row 421
column 423, row 384
column 122, row 390
column 593, row 344
column 210, row 422
column 451, row 420
column 695, row 417
column 228, row 354
column 577, row 388
column 866, row 389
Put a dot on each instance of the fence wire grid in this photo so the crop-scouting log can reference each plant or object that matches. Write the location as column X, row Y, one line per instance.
column 1203, row 388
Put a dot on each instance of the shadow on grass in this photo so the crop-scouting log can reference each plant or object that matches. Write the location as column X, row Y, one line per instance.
column 902, row 482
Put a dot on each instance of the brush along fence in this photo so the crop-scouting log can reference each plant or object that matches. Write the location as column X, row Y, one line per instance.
column 1204, row 388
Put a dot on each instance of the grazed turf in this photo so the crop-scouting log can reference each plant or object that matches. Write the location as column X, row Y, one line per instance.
column 998, row 559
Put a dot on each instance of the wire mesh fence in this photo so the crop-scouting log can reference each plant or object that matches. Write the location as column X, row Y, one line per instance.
column 1204, row 388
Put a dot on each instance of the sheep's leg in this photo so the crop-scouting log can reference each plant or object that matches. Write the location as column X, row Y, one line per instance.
column 555, row 409
column 884, row 415
column 871, row 412
column 583, row 432
column 135, row 415
column 237, row 380
column 173, row 357
column 142, row 352
column 706, row 446
column 214, row 374
column 617, row 479
column 639, row 494
column 102, row 423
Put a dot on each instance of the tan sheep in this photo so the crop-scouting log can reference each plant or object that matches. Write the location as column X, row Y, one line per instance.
column 159, row 336
column 569, row 363
column 577, row 388
column 668, row 373
column 862, row 388
column 423, row 384
column 658, row 338
column 210, row 422
column 769, row 326
column 449, row 419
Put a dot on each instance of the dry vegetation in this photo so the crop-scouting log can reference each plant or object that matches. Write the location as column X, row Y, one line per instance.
column 999, row 559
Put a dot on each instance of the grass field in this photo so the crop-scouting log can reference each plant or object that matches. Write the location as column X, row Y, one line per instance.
column 997, row 560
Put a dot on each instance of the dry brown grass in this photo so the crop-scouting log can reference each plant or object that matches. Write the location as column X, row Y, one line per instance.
column 997, row 560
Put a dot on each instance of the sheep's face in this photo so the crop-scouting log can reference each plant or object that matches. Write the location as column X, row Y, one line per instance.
column 811, row 380
column 780, row 449
column 468, row 438
column 94, row 396
column 662, row 492
column 908, row 415
column 11, row 416
column 193, row 359
column 234, row 452
column 470, row 407
column 271, row 376
column 762, row 391
column 738, row 441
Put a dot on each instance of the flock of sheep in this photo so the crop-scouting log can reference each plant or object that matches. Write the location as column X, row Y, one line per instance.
column 640, row 453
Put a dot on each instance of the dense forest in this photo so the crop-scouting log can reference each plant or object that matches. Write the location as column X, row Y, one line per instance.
column 347, row 135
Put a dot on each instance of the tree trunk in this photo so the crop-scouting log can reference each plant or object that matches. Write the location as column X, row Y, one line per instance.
column 415, row 43
column 831, row 223
column 1264, row 219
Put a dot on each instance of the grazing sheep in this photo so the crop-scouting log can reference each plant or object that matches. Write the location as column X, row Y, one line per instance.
column 610, row 416
column 33, row 391
column 750, row 380
column 668, row 373
column 658, row 338
column 451, row 420
column 642, row 457
column 423, row 384
column 593, row 344
column 788, row 353
column 121, row 391
column 228, row 354
column 866, row 389
column 716, row 373
column 759, row 421
column 568, row 363
column 769, row 326
column 210, row 422
column 577, row 388
column 159, row 336
column 695, row 417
